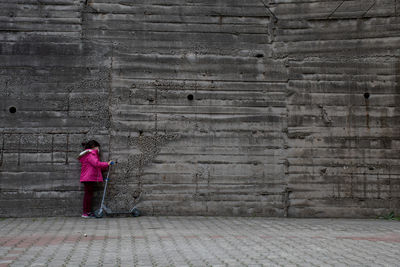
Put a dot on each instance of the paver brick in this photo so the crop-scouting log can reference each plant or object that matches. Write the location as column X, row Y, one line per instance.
column 198, row 241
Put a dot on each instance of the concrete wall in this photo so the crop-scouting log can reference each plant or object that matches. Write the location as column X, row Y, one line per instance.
column 274, row 108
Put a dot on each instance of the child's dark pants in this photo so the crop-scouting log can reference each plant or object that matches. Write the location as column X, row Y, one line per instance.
column 87, row 197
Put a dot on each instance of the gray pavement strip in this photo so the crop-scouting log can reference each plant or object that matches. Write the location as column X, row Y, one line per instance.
column 198, row 241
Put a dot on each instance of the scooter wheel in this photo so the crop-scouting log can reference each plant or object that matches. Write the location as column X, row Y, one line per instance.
column 135, row 212
column 99, row 213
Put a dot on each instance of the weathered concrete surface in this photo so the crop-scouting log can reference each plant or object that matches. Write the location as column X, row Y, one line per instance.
column 267, row 108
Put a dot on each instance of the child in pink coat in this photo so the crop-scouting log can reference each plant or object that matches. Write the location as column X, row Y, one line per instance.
column 90, row 173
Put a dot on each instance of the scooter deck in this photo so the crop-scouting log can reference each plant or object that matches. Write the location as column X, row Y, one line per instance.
column 116, row 213
column 105, row 211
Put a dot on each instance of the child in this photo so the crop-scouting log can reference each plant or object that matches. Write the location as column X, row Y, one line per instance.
column 91, row 173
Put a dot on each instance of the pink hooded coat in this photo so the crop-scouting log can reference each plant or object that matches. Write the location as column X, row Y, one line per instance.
column 91, row 166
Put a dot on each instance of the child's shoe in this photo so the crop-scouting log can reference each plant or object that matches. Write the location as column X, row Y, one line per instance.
column 85, row 215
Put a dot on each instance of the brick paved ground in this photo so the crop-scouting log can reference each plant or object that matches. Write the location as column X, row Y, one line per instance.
column 198, row 241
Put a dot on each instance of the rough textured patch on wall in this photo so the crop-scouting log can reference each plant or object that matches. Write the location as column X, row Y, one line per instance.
column 268, row 108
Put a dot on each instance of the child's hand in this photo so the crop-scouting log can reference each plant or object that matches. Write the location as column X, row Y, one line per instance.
column 111, row 163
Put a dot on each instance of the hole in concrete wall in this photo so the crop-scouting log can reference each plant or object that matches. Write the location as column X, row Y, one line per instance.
column 366, row 95
column 190, row 97
column 12, row 109
column 259, row 55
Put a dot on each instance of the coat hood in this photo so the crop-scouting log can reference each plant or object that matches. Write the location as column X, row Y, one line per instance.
column 85, row 152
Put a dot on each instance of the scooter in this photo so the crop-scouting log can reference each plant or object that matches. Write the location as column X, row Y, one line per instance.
column 103, row 208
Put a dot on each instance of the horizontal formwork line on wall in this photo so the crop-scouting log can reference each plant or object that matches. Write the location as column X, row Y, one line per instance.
column 340, row 77
column 43, row 62
column 258, row 186
column 184, row 20
column 341, row 85
column 194, row 178
column 199, row 135
column 346, row 132
column 318, row 160
column 212, row 143
column 33, row 20
column 199, row 103
column 243, row 155
column 309, row 160
column 201, row 81
column 132, row 31
column 199, row 113
column 336, row 145
column 335, row 175
column 201, row 125
column 320, row 75
column 198, row 109
column 23, row 4
column 345, row 102
column 240, row 199
column 75, row 28
column 380, row 32
column 230, row 170
column 220, row 187
column 333, row 10
column 367, row 178
column 164, row 94
column 225, row 37
column 362, row 121
column 274, row 200
column 28, row 161
column 359, row 63
column 196, row 84
column 350, row 110
column 71, row 181
column 248, row 76
column 199, row 10
column 179, row 89
column 201, row 99
column 357, row 46
column 312, row 87
column 350, row 23
column 218, row 159
column 154, row 27
column 350, row 130
column 136, row 109
column 261, row 182
column 179, row 3
column 338, row 68
column 196, row 138
column 351, row 160
column 338, row 171
column 168, row 126
column 190, row 58
column 198, row 47
column 286, row 27
column 348, row 142
column 11, row 35
column 333, row 152
column 270, row 180
column 263, row 155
